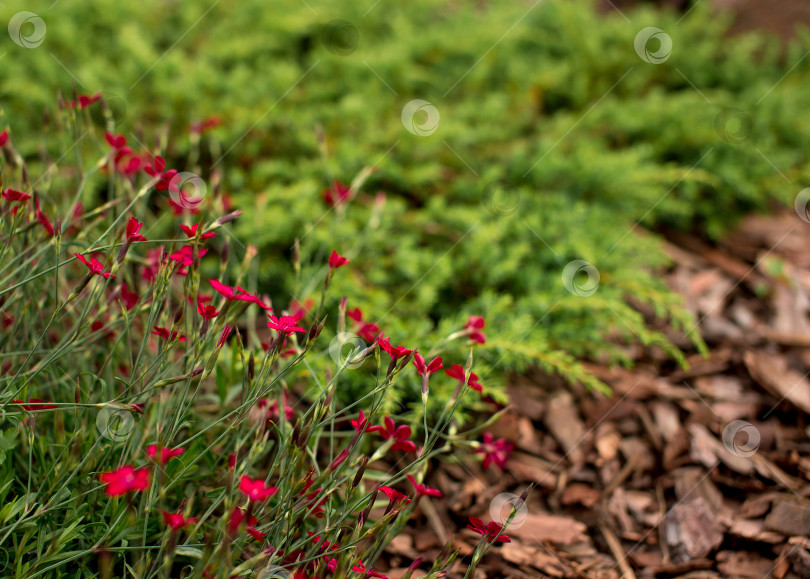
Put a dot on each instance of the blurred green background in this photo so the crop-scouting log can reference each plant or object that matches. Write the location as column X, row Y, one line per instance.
column 556, row 141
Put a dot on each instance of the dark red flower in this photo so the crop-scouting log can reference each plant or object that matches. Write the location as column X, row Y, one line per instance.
column 191, row 232
column 336, row 194
column 94, row 265
column 125, row 479
column 256, row 489
column 399, row 434
column 87, row 100
column 365, row 330
column 496, row 451
column 223, row 337
column 4, row 138
column 360, row 568
column 117, row 142
column 200, row 127
column 153, row 258
column 422, row 369
column 164, row 333
column 208, row 312
column 238, row 516
column 424, row 491
column 336, row 260
column 12, row 196
column 165, row 454
column 43, row 219
column 256, row 534
column 394, row 495
column 34, row 404
column 128, row 297
column 284, row 324
column 133, row 227
column 490, row 531
column 185, row 256
column 156, row 171
column 176, row 521
column 457, row 372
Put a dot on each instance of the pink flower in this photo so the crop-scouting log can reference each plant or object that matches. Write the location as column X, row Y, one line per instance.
column 191, row 232
column 490, row 531
column 336, row 260
column 166, row 454
column 125, row 479
column 496, row 451
column 164, row 333
column 284, row 324
column 423, row 369
column 256, row 489
column 133, row 227
column 424, row 491
column 176, row 521
column 399, row 434
column 361, row 423
column 94, row 265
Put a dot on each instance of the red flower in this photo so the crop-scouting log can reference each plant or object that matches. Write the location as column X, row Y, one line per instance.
column 395, row 352
column 336, row 260
column 361, row 423
column 153, row 258
column 336, row 194
column 125, row 479
column 299, row 310
column 208, row 312
column 133, row 227
column 164, row 333
column 400, row 434
column 43, row 219
column 394, row 495
column 424, row 491
column 223, row 337
column 117, row 142
column 256, row 489
column 87, row 100
column 355, row 314
column 490, row 531
column 186, row 255
column 200, row 127
column 238, row 517
column 284, row 324
column 166, row 454
column 155, row 170
column 12, row 196
column 365, row 330
column 191, row 232
column 34, row 404
column 3, row 138
column 457, row 372
column 256, row 534
column 422, row 369
column 360, row 568
column 496, row 451
column 130, row 298
column 176, row 521
column 94, row 265
column 473, row 327
column 238, row 294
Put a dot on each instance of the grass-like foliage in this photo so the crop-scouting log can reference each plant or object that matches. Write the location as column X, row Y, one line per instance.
column 161, row 417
